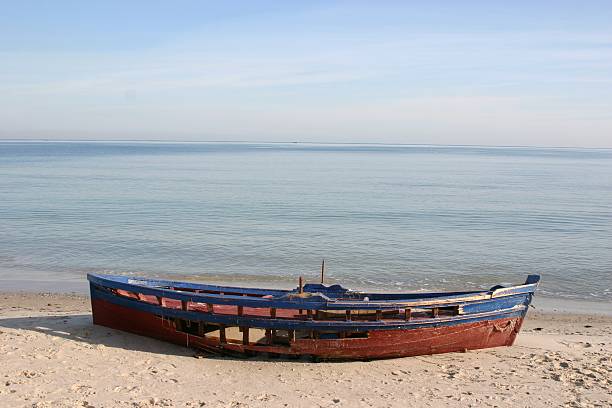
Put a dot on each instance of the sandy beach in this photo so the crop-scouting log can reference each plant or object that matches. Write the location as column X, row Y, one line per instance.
column 52, row 356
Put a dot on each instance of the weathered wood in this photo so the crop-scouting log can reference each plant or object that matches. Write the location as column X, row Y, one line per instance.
column 212, row 294
column 300, row 290
column 268, row 336
column 323, row 272
column 347, row 325
column 245, row 335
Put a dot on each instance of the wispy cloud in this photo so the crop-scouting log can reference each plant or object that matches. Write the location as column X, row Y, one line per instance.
column 497, row 56
column 316, row 80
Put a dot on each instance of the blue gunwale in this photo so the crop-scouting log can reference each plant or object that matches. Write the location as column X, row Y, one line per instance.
column 283, row 299
column 518, row 310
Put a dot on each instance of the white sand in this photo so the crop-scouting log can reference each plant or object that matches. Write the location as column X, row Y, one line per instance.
column 52, row 356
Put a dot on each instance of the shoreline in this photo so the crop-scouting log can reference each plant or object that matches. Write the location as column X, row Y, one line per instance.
column 54, row 356
column 81, row 287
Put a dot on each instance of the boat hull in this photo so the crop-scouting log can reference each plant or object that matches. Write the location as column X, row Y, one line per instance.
column 453, row 337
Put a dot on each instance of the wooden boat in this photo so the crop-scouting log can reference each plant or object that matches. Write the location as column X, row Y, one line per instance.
column 326, row 322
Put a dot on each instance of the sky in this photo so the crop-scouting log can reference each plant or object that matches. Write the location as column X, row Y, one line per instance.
column 439, row 72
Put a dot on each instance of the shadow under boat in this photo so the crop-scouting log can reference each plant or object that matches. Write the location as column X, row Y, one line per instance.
column 80, row 328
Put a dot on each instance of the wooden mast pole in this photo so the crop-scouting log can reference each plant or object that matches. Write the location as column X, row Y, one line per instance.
column 323, row 271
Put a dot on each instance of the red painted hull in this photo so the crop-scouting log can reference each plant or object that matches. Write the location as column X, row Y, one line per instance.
column 379, row 344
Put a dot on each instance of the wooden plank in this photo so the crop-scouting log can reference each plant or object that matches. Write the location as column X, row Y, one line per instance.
column 395, row 343
column 222, row 337
column 161, row 288
column 268, row 336
column 245, row 336
column 298, row 324
column 258, row 302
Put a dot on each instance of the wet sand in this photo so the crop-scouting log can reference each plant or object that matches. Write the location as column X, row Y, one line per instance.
column 52, row 356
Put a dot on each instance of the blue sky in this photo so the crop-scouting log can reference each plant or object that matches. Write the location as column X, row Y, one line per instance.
column 456, row 72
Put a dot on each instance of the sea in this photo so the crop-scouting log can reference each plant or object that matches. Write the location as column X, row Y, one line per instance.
column 383, row 217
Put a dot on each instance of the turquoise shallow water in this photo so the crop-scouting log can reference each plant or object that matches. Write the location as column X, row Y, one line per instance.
column 383, row 217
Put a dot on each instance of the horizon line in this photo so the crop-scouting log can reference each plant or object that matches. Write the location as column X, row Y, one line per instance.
column 166, row 141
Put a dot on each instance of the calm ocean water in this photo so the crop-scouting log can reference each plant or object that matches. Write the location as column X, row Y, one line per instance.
column 383, row 217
